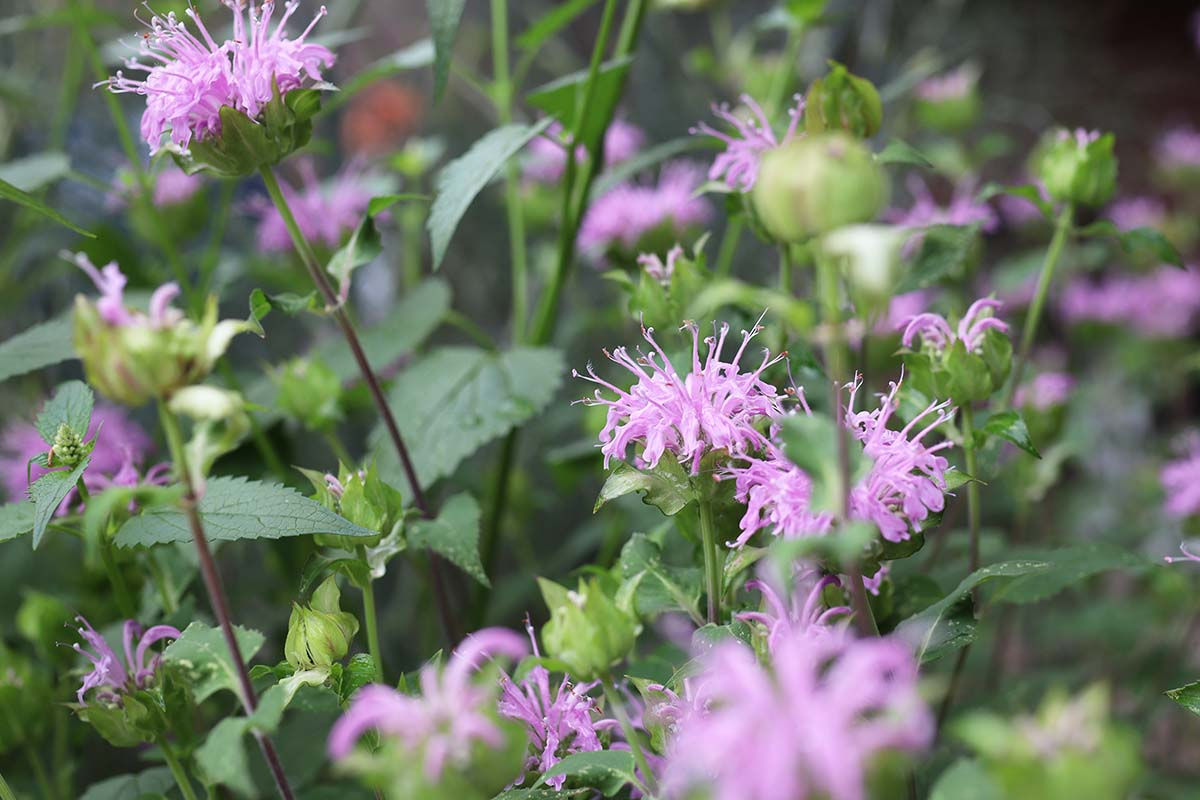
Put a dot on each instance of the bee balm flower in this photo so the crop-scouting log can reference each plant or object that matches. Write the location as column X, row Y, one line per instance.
column 110, row 677
column 752, row 136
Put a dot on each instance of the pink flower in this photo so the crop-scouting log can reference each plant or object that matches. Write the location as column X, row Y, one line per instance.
column 109, row 676
column 1138, row 212
column 713, row 407
column 325, row 212
column 778, row 498
column 1181, row 480
column 935, row 331
column 874, row 583
column 1160, row 304
column 752, row 136
column 803, row 614
column 546, row 159
column 559, row 723
column 1179, row 148
column 111, row 305
column 121, row 448
column 655, row 267
column 1045, row 391
column 444, row 722
column 628, row 211
column 953, row 85
column 963, row 209
column 172, row 186
column 190, row 78
column 808, row 725
column 902, row 308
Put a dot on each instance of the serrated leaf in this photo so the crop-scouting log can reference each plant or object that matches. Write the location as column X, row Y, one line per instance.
column 1187, row 696
column 363, row 246
column 239, row 508
column 202, row 650
column 457, row 184
column 665, row 486
column 454, row 535
column 944, row 253
column 456, row 399
column 153, row 782
column 658, row 587
column 605, row 770
column 16, row 519
column 561, row 98
column 444, row 17
column 39, row 346
column 1071, row 565
column 22, row 198
column 900, row 152
column 71, row 405
column 358, row 673
column 1009, row 426
column 47, row 494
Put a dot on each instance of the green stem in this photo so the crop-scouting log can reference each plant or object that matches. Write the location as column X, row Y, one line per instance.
column 612, row 694
column 181, row 778
column 1062, row 227
column 729, row 243
column 785, row 268
column 712, row 560
column 39, row 774
column 212, row 250
column 371, row 619
column 120, row 587
column 471, row 328
column 6, row 792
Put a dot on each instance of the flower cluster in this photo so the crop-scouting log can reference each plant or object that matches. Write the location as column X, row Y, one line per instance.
column 325, row 211
column 715, row 406
column 189, row 78
column 936, row 333
column 1159, row 304
column 110, row 677
column 738, row 164
column 625, row 213
column 546, row 159
column 1181, row 479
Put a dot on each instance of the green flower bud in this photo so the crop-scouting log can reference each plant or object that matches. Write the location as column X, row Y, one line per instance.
column 841, row 101
column 1078, row 167
column 587, row 630
column 310, row 392
column 320, row 633
column 67, row 449
column 362, row 497
column 949, row 103
column 815, row 184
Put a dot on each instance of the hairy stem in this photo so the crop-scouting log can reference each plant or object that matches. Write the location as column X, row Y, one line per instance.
column 613, row 695
column 445, row 613
column 712, row 560
column 181, row 777
column 216, row 593
column 1062, row 227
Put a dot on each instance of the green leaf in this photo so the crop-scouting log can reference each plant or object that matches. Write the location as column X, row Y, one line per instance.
column 222, row 758
column 454, row 400
column 561, row 99
column 945, row 251
column 35, row 172
column 262, row 304
column 966, row 779
column 363, row 246
column 71, row 405
column 10, row 192
column 238, row 508
column 1069, row 566
column 605, row 770
column 383, row 202
column 899, row 152
column 40, row 346
column 1138, row 241
column 16, row 519
column 1188, row 696
column 1010, row 426
column 454, row 535
column 1025, row 191
column 457, row 184
column 658, row 586
column 201, row 650
column 358, row 673
column 47, row 494
column 665, row 486
column 444, row 16
column 558, row 17
column 810, row 442
column 153, row 782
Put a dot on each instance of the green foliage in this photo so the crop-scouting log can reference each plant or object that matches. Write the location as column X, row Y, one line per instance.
column 454, row 535
column 562, row 99
column 40, row 346
column 657, row 587
column 16, row 519
column 666, row 486
column 202, row 652
column 1138, row 242
column 22, row 198
column 71, row 405
column 1187, row 696
column 604, row 770
column 444, row 17
column 152, row 782
column 48, row 492
column 1009, row 426
column 945, row 252
column 363, row 247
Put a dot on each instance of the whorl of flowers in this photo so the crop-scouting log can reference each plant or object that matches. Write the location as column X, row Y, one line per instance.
column 963, row 209
column 935, row 331
column 118, row 455
column 325, row 211
column 1160, row 304
column 825, row 707
column 625, row 213
column 712, row 407
column 449, row 716
column 110, row 676
column 559, row 722
column 110, row 281
column 189, row 78
column 546, row 159
column 1181, row 480
column 752, row 136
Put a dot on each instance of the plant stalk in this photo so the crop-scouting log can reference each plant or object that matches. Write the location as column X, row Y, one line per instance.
column 713, row 567
column 216, row 593
column 371, row 618
column 181, row 778
column 445, row 613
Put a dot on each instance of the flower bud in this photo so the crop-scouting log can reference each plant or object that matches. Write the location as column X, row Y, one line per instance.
column 815, row 184
column 310, row 392
column 362, row 497
column 870, row 258
column 244, row 145
column 950, row 102
column 841, row 101
column 1078, row 167
column 320, row 633
column 587, row 630
column 67, row 449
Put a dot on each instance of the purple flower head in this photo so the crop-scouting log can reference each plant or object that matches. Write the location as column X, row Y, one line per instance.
column 1179, row 148
column 712, row 407
column 444, row 722
column 625, row 213
column 120, row 450
column 1047, row 390
column 963, row 209
column 778, row 496
column 953, row 85
column 559, row 722
column 655, row 267
column 546, row 158
column 803, row 614
column 1160, row 304
column 902, row 308
column 826, row 706
column 936, row 333
column 1181, row 480
column 111, row 304
column 1138, row 212
column 325, row 211
column 111, row 677
column 1081, row 136
column 172, row 186
column 752, row 136
column 189, row 78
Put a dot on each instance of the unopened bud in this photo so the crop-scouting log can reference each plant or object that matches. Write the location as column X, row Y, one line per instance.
column 587, row 630
column 320, row 633
column 1078, row 167
column 841, row 101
